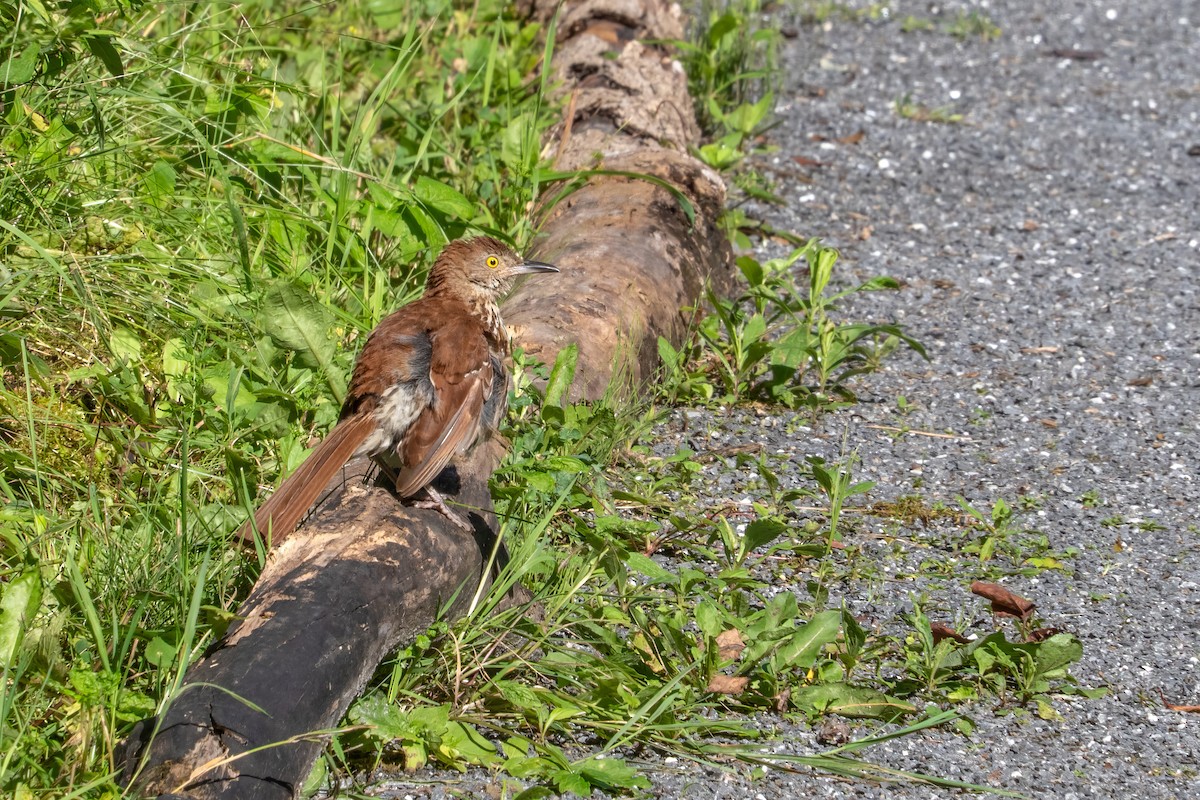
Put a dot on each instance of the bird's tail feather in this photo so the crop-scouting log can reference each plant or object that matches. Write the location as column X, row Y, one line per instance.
column 279, row 516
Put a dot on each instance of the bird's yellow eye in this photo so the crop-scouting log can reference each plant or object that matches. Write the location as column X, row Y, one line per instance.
column 492, row 262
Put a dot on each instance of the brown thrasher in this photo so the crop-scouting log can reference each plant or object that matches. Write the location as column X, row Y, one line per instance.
column 418, row 393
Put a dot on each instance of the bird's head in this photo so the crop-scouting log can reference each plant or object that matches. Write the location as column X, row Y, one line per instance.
column 482, row 266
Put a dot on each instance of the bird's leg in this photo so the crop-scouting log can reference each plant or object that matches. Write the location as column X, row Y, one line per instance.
column 436, row 501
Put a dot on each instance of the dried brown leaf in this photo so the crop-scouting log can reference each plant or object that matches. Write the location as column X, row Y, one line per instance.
column 730, row 644
column 805, row 161
column 1173, row 707
column 1042, row 634
column 1004, row 601
column 942, row 631
column 833, row 731
column 728, row 684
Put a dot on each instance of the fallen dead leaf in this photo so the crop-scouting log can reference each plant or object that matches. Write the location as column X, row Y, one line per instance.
column 728, row 684
column 942, row 631
column 1072, row 54
column 805, row 161
column 1046, row 348
column 730, row 644
column 833, row 731
column 1003, row 601
column 1173, row 707
column 1042, row 634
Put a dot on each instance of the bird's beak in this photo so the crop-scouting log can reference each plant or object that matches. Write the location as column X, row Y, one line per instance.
column 534, row 266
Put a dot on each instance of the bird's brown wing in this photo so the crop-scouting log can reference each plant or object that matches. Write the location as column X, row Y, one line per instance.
column 462, row 376
column 284, row 509
column 396, row 356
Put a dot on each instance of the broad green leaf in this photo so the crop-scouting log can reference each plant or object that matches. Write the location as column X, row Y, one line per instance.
column 518, row 695
column 802, row 647
column 296, row 321
column 792, row 349
column 748, row 116
column 611, row 773
column 125, row 345
column 386, row 720
column 571, row 782
column 228, row 389
column 1055, row 654
column 102, row 48
column 720, row 155
column 879, row 282
column 21, row 67
column 19, row 603
column 463, row 743
column 852, row 633
column 761, row 532
column 709, row 619
column 518, row 151
column 174, row 359
column 751, row 269
column 159, row 181
column 820, row 271
column 668, row 354
column 725, row 24
column 565, row 464
column 848, row 700
column 755, row 328
column 562, row 375
column 647, row 566
column 539, row 481
column 441, row 197
column 160, row 652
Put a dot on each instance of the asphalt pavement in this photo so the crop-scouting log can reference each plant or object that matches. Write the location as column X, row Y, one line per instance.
column 1039, row 198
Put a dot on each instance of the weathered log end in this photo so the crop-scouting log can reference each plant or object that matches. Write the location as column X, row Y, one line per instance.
column 363, row 575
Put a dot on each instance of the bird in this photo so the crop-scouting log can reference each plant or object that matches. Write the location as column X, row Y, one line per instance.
column 424, row 388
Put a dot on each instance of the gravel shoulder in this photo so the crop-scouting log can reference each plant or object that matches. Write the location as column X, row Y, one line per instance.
column 1049, row 244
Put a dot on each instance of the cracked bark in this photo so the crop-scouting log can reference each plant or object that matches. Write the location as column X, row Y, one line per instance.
column 365, row 574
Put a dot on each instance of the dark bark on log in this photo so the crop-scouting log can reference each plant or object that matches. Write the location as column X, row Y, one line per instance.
column 361, row 577
column 365, row 574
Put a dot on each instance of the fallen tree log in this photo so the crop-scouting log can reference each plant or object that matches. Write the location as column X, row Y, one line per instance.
column 365, row 574
column 361, row 576
column 633, row 253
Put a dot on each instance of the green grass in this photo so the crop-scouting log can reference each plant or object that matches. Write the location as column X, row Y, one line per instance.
column 203, row 209
column 191, row 253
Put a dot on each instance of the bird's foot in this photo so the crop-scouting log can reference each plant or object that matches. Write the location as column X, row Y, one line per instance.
column 438, row 503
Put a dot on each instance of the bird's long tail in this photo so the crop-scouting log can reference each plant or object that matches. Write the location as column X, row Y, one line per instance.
column 278, row 517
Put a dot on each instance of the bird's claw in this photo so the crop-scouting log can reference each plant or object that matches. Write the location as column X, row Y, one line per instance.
column 437, row 502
